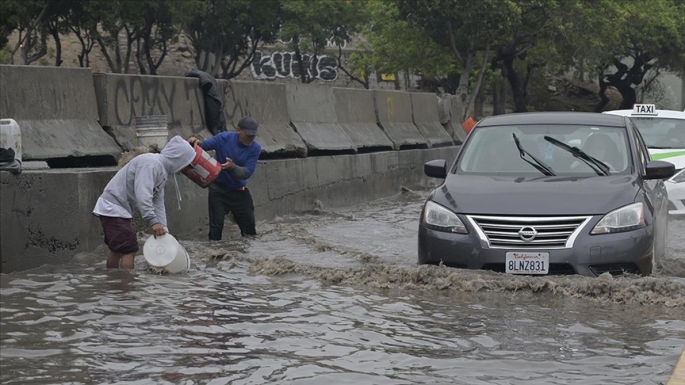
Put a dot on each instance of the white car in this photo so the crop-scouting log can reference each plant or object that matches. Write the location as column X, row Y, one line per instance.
column 664, row 134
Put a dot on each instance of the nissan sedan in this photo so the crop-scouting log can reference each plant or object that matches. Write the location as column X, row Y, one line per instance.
column 548, row 193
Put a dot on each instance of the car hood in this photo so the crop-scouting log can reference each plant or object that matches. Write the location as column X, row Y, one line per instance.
column 487, row 195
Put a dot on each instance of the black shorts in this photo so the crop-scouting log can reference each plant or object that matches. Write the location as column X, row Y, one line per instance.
column 119, row 234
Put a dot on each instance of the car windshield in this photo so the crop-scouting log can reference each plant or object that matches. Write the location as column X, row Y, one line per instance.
column 661, row 132
column 494, row 151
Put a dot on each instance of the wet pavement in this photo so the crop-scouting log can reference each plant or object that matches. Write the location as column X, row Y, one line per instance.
column 335, row 297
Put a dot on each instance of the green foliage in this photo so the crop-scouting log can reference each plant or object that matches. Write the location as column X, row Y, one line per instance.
column 5, row 55
column 230, row 30
column 394, row 45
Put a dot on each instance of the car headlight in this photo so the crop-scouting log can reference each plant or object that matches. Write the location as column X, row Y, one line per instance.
column 438, row 218
column 679, row 177
column 626, row 218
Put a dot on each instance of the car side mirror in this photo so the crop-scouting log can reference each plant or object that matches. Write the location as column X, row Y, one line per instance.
column 436, row 169
column 658, row 169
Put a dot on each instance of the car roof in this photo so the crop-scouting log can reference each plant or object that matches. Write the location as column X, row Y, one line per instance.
column 574, row 118
column 659, row 114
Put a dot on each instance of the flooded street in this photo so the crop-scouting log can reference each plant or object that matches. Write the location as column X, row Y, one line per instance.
column 336, row 297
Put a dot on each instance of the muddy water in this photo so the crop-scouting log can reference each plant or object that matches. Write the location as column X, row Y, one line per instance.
column 335, row 297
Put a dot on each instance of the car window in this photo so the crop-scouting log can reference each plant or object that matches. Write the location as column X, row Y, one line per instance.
column 642, row 150
column 492, row 150
column 661, row 132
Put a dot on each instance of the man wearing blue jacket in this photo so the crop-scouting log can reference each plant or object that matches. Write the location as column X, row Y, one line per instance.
column 229, row 193
column 139, row 185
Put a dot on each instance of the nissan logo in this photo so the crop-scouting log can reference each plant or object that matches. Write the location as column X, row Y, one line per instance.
column 527, row 233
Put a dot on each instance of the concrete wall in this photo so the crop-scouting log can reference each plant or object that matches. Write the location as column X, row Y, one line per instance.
column 394, row 113
column 265, row 102
column 56, row 111
column 121, row 98
column 356, row 114
column 46, row 215
column 312, row 112
column 427, row 119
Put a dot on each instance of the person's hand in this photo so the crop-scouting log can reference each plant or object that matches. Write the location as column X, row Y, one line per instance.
column 158, row 230
column 228, row 164
column 193, row 140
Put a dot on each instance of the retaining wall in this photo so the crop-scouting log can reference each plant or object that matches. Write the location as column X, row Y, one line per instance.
column 312, row 112
column 56, row 111
column 265, row 102
column 394, row 113
column 356, row 114
column 120, row 98
column 47, row 214
column 424, row 108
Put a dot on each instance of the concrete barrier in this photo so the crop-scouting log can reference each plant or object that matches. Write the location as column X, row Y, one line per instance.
column 424, row 108
column 312, row 112
column 393, row 109
column 36, row 203
column 56, row 112
column 267, row 103
column 356, row 115
column 120, row 98
column 454, row 127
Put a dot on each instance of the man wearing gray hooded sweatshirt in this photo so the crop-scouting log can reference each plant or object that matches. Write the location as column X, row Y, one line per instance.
column 139, row 185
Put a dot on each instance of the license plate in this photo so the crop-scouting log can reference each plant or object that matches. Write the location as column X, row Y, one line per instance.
column 527, row 263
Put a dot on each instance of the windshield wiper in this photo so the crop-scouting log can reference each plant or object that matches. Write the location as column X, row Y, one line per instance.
column 596, row 165
column 540, row 166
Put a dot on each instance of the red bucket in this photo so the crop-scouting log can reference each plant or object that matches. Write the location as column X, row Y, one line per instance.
column 204, row 169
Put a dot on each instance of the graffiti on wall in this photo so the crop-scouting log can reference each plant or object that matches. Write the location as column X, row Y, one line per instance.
column 269, row 66
column 181, row 101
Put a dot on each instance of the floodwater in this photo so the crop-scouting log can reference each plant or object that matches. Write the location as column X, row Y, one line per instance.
column 335, row 297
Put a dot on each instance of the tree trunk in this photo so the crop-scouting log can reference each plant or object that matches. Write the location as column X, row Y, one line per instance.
column 602, row 95
column 478, row 104
column 139, row 58
column 300, row 64
column 463, row 88
column 517, row 89
column 499, row 96
column 58, row 45
column 479, row 82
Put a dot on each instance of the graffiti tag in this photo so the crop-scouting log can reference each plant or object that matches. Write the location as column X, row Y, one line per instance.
column 284, row 65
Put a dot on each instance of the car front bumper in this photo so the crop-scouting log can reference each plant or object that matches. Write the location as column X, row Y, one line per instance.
column 590, row 255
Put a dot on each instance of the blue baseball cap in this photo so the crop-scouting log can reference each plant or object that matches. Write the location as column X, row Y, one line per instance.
column 248, row 125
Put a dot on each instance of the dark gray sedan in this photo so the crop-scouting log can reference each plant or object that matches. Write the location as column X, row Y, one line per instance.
column 548, row 193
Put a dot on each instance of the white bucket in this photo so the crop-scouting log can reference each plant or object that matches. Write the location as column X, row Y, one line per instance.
column 152, row 130
column 10, row 136
column 164, row 253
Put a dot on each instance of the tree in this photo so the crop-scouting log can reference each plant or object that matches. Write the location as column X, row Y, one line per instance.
column 527, row 34
column 82, row 19
column 464, row 28
column 623, row 40
column 308, row 25
column 28, row 18
column 394, row 45
column 118, row 20
column 158, row 27
column 226, row 34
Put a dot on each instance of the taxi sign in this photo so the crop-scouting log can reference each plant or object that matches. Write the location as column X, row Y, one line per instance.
column 644, row 109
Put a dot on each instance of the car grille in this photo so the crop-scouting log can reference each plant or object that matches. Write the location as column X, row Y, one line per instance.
column 549, row 232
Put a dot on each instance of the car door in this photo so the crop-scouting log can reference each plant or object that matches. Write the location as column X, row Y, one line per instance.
column 656, row 194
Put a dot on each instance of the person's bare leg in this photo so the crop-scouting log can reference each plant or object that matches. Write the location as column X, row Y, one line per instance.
column 113, row 260
column 128, row 261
